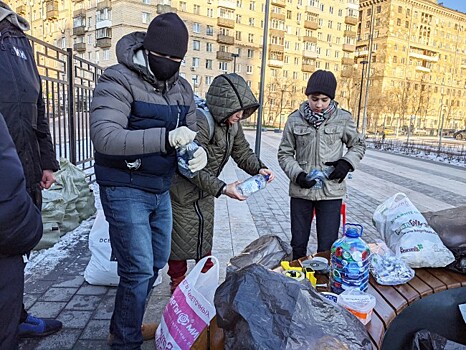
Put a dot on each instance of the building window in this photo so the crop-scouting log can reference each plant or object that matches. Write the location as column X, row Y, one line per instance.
column 251, row 21
column 147, row 2
column 195, row 62
column 223, row 66
column 252, row 6
column 238, row 19
column 146, row 17
column 248, row 69
column 196, row 45
column 209, row 30
column 196, row 27
column 196, row 9
column 250, row 53
column 208, row 64
column 209, row 47
column 208, row 80
column 182, row 6
column 106, row 55
column 378, row 9
column 250, row 38
column 238, row 35
column 210, row 13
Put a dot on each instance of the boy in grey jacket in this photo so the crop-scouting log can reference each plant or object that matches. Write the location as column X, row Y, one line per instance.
column 315, row 137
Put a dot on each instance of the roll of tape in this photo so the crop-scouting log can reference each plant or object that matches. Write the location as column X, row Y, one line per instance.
column 317, row 265
column 297, row 275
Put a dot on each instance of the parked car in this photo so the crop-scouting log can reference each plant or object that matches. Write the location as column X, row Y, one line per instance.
column 460, row 134
column 420, row 132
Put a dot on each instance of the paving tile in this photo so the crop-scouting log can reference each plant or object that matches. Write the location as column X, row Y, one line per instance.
column 45, row 309
column 96, row 330
column 74, row 319
column 58, row 294
column 84, row 302
column 87, row 289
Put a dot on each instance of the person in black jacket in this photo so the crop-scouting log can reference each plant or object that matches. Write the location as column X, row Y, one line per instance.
column 20, row 231
column 23, row 108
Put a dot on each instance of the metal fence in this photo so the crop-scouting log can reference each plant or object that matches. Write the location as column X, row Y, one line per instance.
column 67, row 85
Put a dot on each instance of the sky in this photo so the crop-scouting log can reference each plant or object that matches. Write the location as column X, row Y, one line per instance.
column 459, row 5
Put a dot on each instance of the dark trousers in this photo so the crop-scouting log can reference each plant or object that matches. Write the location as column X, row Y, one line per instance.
column 11, row 299
column 327, row 224
column 36, row 195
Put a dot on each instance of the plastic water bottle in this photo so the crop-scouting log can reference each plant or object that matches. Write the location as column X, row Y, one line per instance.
column 185, row 154
column 320, row 176
column 350, row 258
column 252, row 185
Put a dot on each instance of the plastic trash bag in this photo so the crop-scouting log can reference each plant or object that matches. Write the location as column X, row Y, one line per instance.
column 386, row 267
column 426, row 340
column 267, row 250
column 262, row 309
column 450, row 224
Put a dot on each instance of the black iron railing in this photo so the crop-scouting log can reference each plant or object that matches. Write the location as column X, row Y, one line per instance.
column 67, row 85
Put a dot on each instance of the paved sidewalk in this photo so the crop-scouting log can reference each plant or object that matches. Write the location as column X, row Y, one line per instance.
column 55, row 286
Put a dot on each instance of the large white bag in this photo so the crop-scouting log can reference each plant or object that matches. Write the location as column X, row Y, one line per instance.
column 407, row 233
column 101, row 270
column 190, row 309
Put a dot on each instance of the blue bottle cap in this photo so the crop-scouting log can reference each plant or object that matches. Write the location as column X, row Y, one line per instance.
column 266, row 177
column 352, row 232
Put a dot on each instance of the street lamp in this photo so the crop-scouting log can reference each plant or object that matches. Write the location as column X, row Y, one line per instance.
column 360, row 91
column 234, row 55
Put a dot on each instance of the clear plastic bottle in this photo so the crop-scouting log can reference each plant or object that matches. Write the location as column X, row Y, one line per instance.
column 350, row 259
column 320, row 176
column 252, row 185
column 185, row 154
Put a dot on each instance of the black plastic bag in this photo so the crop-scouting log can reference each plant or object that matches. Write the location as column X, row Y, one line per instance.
column 262, row 309
column 450, row 224
column 267, row 250
column 426, row 340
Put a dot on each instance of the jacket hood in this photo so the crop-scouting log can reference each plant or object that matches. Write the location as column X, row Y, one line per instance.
column 230, row 93
column 130, row 52
column 14, row 18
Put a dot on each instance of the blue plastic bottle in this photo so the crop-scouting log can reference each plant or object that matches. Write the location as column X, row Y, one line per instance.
column 349, row 263
column 184, row 155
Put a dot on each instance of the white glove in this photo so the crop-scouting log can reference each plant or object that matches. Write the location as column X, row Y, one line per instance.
column 181, row 136
column 199, row 160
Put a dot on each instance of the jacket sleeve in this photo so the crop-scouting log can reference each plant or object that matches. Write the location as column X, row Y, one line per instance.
column 354, row 142
column 204, row 179
column 286, row 152
column 20, row 220
column 243, row 155
column 48, row 158
column 110, row 108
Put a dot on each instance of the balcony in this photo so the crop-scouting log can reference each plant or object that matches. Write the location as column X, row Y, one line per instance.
column 309, row 68
column 349, row 47
column 278, row 16
column 346, row 61
column 104, row 4
column 361, row 53
column 77, row 0
column 80, row 30
column 103, row 42
column 349, row 33
column 227, row 4
column 309, row 39
column 423, row 69
column 164, row 9
column 224, row 56
column 105, row 23
column 311, row 25
column 424, row 57
column 347, row 73
column 225, row 22
column 225, row 39
column 276, row 48
column 21, row 10
column 79, row 13
column 80, row 47
column 51, row 9
column 309, row 54
column 278, row 3
column 351, row 20
column 275, row 63
column 312, row 9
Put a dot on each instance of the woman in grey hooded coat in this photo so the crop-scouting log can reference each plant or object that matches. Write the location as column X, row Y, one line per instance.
column 229, row 100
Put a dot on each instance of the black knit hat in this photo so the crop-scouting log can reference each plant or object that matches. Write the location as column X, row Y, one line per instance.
column 167, row 35
column 322, row 82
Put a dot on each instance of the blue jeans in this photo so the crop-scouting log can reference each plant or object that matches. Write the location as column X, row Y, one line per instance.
column 140, row 225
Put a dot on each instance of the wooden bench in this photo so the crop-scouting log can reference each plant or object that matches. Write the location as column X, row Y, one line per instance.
column 392, row 300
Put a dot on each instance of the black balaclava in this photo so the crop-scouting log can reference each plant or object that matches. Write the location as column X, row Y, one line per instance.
column 167, row 35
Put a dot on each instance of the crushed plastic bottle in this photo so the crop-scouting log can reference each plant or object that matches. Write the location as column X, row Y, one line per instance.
column 320, row 176
column 252, row 185
column 185, row 154
column 350, row 259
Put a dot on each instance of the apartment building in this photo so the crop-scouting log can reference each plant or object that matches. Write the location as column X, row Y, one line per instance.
column 415, row 51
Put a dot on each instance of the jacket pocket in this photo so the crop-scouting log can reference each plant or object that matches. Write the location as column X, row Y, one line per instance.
column 304, row 137
column 333, row 133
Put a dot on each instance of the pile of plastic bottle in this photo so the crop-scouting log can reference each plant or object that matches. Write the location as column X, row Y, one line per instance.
column 350, row 260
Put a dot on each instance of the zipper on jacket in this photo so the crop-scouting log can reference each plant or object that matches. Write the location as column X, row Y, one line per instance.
column 200, row 235
column 224, row 160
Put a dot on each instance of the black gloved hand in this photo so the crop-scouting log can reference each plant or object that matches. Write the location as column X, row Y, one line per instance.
column 342, row 167
column 303, row 182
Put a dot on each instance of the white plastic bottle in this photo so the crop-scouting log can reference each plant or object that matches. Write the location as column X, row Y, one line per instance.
column 252, row 185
